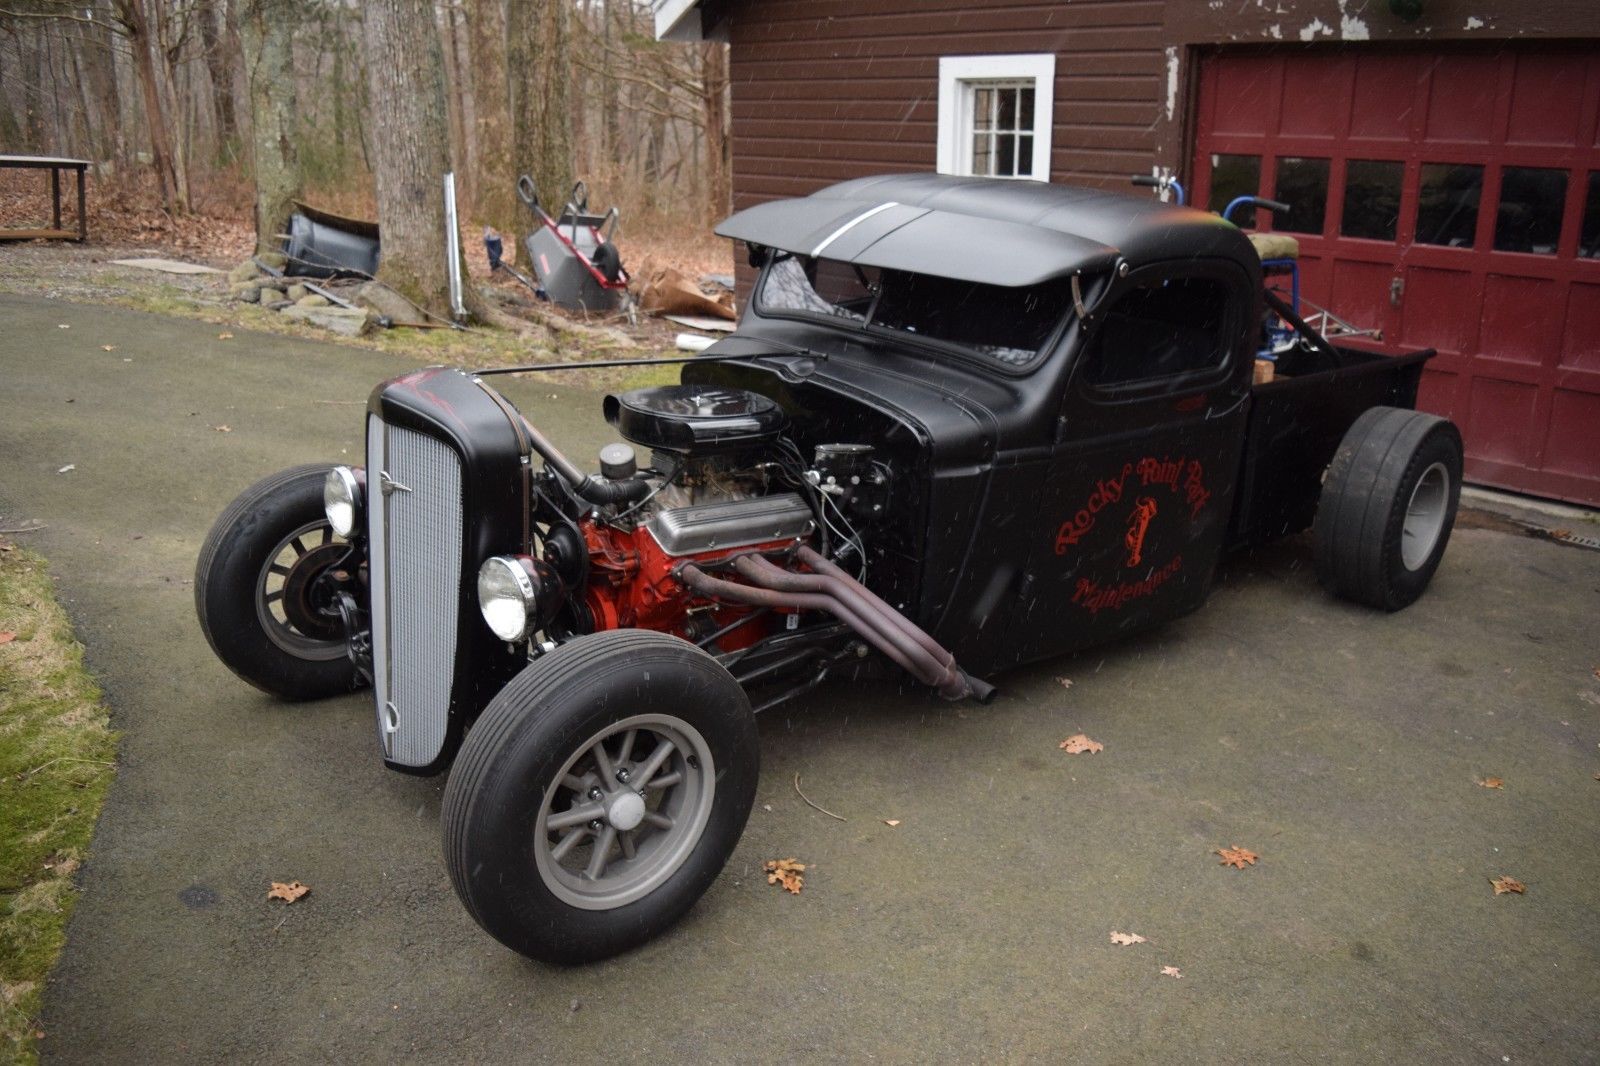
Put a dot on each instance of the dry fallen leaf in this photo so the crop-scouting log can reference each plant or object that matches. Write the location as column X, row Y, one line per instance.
column 7, row 638
column 891, row 822
column 1125, row 939
column 1171, row 971
column 1492, row 782
column 790, row 873
column 224, row 336
column 69, row 468
column 108, row 347
column 287, row 892
column 1065, row 682
column 1237, row 857
column 1502, row 885
column 1077, row 744
column 223, row 429
column 1596, row 673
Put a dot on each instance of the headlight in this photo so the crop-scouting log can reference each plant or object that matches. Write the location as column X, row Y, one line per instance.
column 507, row 596
column 341, row 499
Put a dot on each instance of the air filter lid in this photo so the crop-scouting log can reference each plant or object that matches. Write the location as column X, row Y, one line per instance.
column 694, row 418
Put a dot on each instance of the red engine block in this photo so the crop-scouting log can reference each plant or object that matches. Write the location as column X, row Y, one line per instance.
column 631, row 587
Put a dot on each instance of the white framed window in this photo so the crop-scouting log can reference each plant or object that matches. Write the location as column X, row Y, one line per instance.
column 995, row 115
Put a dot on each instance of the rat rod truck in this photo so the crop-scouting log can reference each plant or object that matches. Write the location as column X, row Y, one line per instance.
column 964, row 424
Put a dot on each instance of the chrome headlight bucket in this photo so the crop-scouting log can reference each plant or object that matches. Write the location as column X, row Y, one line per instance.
column 518, row 595
column 342, row 498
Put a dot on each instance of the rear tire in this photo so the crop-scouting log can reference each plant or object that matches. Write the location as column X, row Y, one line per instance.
column 1387, row 507
column 256, row 591
column 599, row 795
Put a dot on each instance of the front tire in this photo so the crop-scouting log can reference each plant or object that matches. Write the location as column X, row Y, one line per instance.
column 1387, row 507
column 599, row 795
column 262, row 589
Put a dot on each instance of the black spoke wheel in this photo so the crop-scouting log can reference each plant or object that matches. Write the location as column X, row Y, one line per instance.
column 599, row 795
column 266, row 587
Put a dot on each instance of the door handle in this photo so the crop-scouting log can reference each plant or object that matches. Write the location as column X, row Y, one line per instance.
column 1397, row 288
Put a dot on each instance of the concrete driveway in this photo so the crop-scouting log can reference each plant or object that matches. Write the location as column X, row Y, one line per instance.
column 1341, row 745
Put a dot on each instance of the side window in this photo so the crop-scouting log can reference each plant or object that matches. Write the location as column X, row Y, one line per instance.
column 996, row 114
column 1158, row 330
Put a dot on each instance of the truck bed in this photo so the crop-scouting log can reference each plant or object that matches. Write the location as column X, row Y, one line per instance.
column 1295, row 425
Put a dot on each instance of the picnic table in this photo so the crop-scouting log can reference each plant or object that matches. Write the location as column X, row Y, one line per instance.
column 55, row 165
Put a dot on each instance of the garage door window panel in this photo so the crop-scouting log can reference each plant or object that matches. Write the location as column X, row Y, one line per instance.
column 1303, row 185
column 1529, row 216
column 1371, row 199
column 1589, row 237
column 1447, row 204
column 1233, row 176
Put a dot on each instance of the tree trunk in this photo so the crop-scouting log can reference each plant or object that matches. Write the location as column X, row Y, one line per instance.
column 410, row 148
column 496, row 202
column 266, row 29
column 539, row 55
column 220, row 64
column 718, row 147
column 100, row 71
column 454, row 83
column 136, row 28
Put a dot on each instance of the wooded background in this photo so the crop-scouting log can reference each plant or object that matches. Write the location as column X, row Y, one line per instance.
column 359, row 106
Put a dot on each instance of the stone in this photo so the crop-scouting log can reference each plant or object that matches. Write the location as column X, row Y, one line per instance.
column 244, row 271
column 297, row 292
column 269, row 293
column 389, row 304
column 246, row 291
column 340, row 320
column 311, row 299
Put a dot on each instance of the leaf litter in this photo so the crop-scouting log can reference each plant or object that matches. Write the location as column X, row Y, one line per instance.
column 1237, row 857
column 1078, row 743
column 790, row 873
column 287, row 891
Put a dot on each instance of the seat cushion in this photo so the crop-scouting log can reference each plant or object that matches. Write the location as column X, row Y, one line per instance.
column 1275, row 245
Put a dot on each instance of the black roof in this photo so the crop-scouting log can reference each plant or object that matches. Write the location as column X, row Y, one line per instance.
column 987, row 230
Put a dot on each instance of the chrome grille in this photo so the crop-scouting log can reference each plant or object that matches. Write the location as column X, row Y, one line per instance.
column 414, row 509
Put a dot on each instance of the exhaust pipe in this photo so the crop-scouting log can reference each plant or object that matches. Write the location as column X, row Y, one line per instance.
column 842, row 596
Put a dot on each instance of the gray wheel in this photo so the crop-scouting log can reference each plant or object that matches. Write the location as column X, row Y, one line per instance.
column 625, row 811
column 1387, row 507
column 599, row 795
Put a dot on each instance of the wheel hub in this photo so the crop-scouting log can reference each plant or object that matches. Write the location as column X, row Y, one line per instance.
column 625, row 810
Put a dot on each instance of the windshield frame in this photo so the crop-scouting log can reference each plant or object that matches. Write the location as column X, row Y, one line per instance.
column 934, row 345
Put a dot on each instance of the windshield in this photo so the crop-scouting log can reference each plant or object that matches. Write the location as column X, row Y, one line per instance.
column 1008, row 325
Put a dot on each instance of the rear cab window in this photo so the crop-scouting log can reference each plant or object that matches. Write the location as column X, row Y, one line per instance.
column 1009, row 327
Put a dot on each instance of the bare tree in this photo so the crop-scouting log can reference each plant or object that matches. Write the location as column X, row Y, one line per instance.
column 539, row 55
column 266, row 35
column 410, row 147
column 493, row 196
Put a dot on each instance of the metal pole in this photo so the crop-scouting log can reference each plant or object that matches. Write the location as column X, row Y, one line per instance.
column 452, row 245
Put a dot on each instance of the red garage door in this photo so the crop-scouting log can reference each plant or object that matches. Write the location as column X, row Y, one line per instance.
column 1452, row 200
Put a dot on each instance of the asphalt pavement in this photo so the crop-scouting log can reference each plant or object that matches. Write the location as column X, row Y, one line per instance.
column 1342, row 746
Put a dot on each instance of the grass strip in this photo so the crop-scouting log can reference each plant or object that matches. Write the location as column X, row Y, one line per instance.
column 56, row 754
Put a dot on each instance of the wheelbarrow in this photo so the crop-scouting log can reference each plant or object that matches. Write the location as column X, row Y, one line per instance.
column 573, row 256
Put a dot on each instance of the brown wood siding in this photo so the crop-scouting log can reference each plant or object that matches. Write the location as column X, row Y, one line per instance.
column 830, row 89
column 825, row 90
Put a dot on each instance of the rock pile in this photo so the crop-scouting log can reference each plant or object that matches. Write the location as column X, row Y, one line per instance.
column 249, row 283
